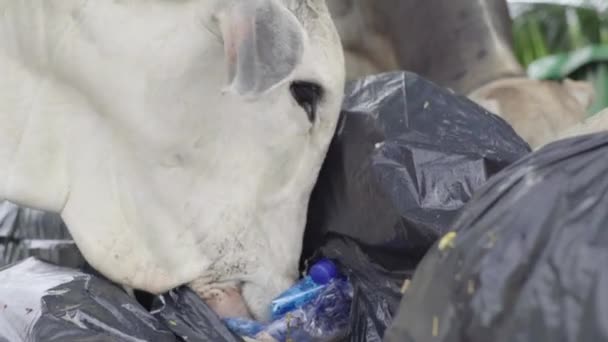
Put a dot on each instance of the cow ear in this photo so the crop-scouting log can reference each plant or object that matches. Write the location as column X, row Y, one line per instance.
column 263, row 43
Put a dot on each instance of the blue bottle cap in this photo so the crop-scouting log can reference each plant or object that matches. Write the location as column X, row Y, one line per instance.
column 323, row 271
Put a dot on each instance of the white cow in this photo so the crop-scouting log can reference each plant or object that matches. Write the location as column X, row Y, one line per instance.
column 179, row 140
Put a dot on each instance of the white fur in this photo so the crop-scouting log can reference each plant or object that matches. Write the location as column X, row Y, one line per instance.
column 112, row 113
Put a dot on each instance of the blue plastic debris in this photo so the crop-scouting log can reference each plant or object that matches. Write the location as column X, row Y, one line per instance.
column 306, row 290
column 244, row 326
column 324, row 319
column 317, row 308
column 323, row 271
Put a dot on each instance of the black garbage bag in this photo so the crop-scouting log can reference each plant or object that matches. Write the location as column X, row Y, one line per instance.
column 44, row 302
column 189, row 318
column 406, row 157
column 41, row 302
column 26, row 232
column 527, row 259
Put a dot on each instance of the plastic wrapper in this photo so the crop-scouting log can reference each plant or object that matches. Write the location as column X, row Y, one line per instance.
column 324, row 319
column 526, row 260
column 244, row 326
column 406, row 157
column 315, row 309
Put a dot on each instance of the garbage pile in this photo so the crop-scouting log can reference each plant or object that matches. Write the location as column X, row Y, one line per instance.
column 406, row 158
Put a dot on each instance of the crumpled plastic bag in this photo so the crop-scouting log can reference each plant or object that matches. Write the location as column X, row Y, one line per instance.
column 526, row 260
column 184, row 313
column 406, row 157
column 41, row 302
column 47, row 303
column 324, row 319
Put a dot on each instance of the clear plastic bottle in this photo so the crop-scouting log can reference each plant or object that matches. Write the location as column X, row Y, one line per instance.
column 306, row 290
column 323, row 319
column 317, row 308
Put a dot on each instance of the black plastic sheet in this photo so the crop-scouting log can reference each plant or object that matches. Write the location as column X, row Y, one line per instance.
column 26, row 232
column 41, row 302
column 376, row 290
column 406, row 157
column 527, row 260
column 188, row 317
column 45, row 302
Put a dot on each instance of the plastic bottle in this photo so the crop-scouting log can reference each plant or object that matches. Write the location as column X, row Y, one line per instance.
column 323, row 271
column 314, row 309
column 323, row 319
column 306, row 290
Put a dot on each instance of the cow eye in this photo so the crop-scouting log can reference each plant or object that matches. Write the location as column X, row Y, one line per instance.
column 307, row 95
